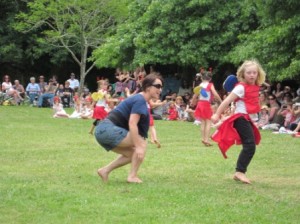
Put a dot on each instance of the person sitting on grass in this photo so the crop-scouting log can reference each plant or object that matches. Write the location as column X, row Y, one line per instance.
column 264, row 117
column 172, row 111
column 58, row 109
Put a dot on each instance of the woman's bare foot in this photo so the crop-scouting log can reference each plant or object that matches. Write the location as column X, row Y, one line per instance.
column 103, row 174
column 239, row 176
column 134, row 180
column 157, row 143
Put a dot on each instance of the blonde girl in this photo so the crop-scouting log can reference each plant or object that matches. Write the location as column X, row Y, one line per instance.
column 239, row 128
column 100, row 99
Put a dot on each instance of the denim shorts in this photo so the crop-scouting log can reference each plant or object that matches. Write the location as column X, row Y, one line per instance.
column 108, row 135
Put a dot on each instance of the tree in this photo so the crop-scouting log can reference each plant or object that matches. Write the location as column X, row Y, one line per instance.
column 208, row 33
column 183, row 32
column 276, row 42
column 74, row 25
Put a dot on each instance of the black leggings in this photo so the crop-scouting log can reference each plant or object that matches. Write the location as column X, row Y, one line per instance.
column 96, row 122
column 245, row 130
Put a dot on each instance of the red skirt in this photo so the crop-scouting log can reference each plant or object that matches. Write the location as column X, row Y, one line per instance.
column 151, row 121
column 99, row 113
column 203, row 110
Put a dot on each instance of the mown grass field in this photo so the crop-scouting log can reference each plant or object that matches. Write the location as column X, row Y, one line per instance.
column 48, row 175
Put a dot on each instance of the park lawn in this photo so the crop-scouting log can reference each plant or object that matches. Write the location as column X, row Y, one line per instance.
column 48, row 175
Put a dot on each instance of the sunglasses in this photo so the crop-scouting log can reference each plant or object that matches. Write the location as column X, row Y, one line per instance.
column 157, row 86
column 271, row 98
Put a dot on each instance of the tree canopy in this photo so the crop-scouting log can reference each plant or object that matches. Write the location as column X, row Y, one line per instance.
column 130, row 33
column 74, row 25
column 207, row 33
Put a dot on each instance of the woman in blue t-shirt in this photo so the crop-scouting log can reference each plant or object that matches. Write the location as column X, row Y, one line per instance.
column 125, row 129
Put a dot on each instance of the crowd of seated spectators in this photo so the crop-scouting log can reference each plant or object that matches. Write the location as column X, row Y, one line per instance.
column 280, row 105
column 280, row 108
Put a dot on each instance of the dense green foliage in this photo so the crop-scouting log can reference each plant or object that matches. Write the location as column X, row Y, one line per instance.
column 48, row 175
column 74, row 25
column 276, row 42
column 130, row 33
column 207, row 33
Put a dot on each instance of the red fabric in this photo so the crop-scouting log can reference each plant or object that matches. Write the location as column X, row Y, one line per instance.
column 99, row 113
column 150, row 118
column 251, row 98
column 208, row 89
column 203, row 110
column 226, row 135
column 173, row 114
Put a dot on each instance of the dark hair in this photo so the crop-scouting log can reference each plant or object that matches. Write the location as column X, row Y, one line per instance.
column 206, row 76
column 6, row 76
column 183, row 82
column 150, row 79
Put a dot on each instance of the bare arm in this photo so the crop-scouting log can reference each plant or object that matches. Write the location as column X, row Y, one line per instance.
column 216, row 95
column 157, row 103
column 138, row 141
column 229, row 99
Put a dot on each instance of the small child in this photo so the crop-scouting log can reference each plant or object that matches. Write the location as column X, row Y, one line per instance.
column 178, row 105
column 239, row 127
column 100, row 100
column 87, row 109
column 264, row 117
column 173, row 113
column 58, row 108
column 204, row 94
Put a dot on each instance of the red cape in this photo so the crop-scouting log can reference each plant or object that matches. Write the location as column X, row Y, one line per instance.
column 226, row 135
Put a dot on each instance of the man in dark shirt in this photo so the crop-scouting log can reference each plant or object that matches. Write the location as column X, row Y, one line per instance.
column 68, row 92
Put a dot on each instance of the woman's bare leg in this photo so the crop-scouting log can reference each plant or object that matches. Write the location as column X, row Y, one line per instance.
column 128, row 154
column 123, row 159
column 136, row 162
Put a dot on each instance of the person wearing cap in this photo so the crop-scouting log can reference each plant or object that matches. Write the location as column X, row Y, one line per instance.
column 42, row 84
column 48, row 94
column 74, row 83
column 20, row 90
column 33, row 90
column 264, row 116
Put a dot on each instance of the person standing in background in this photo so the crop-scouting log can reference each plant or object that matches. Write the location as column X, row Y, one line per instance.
column 74, row 83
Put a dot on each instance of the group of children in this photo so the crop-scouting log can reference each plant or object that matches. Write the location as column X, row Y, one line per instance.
column 236, row 116
column 96, row 105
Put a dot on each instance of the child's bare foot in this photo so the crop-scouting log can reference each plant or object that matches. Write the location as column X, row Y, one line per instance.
column 206, row 143
column 239, row 176
column 103, row 174
column 134, row 180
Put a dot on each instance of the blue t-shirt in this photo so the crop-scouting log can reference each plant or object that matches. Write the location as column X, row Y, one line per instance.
column 135, row 104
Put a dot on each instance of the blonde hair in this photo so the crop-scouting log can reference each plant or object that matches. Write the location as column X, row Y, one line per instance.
column 178, row 98
column 101, row 82
column 261, row 73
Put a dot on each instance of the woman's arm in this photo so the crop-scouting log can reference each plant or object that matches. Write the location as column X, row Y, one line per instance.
column 138, row 141
column 157, row 103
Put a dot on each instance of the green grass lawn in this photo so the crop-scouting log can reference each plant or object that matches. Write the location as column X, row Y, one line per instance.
column 48, row 175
